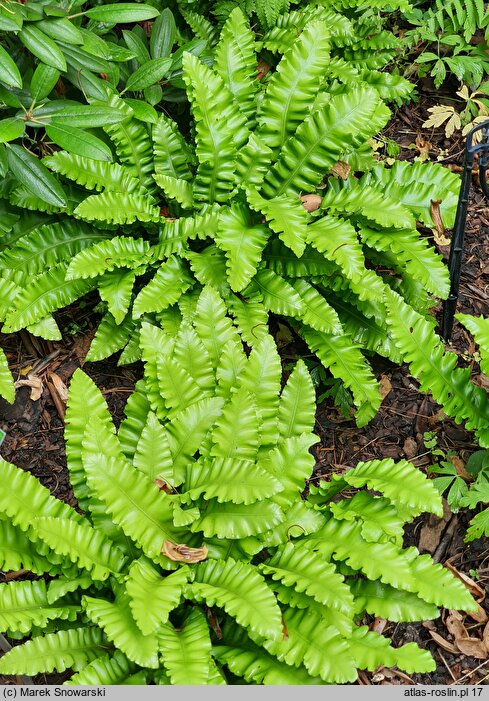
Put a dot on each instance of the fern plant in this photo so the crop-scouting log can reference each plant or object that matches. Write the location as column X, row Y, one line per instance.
column 225, row 209
column 195, row 505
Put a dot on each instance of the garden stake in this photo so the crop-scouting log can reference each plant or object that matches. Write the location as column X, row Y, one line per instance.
column 457, row 244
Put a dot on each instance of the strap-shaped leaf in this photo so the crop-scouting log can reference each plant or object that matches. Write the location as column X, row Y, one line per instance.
column 135, row 504
column 286, row 216
column 243, row 244
column 171, row 153
column 317, row 313
column 220, row 130
column 186, row 652
column 109, row 670
column 172, row 279
column 254, row 161
column 366, row 202
column 284, row 32
column 436, row 368
column 153, row 342
column 84, row 402
column 120, row 627
column 132, row 144
column 379, row 517
column 209, row 268
column 190, row 352
column 118, row 208
column 25, row 604
column 382, row 600
column 23, row 498
column 346, row 120
column 236, row 434
column 345, row 361
column 214, row 328
column 48, row 292
column 120, row 251
column 241, row 592
column 65, row 649
column 46, row 246
column 175, row 189
column 94, row 175
column 18, row 552
column 308, row 573
column 275, row 293
column 371, row 649
column 420, row 260
column 251, row 318
column 136, row 412
column 115, row 288
column 297, row 410
column 82, row 544
column 399, row 481
column 61, row 586
column 144, row 584
column 235, row 63
column 7, row 389
column 338, row 241
column 153, row 454
column 226, row 479
column 110, row 337
column 228, row 520
column 294, row 85
column 232, row 363
column 291, row 463
column 320, row 648
column 177, row 387
column 479, row 328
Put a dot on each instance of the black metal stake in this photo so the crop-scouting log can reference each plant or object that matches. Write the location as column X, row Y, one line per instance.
column 458, row 235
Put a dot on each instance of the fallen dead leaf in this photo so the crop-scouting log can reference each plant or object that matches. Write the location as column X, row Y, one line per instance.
column 479, row 616
column 378, row 625
column 423, row 146
column 439, row 232
column 433, row 527
column 444, row 644
column 341, row 169
column 455, row 625
column 164, row 486
column 410, row 447
column 472, row 586
column 311, row 202
column 180, row 552
column 60, row 386
column 485, row 635
column 459, row 465
column 472, row 647
column 385, row 386
column 262, row 69
column 36, row 385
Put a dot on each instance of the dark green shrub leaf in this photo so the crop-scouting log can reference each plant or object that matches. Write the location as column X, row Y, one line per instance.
column 148, row 74
column 43, row 81
column 142, row 111
column 35, row 176
column 61, row 29
column 120, row 12
column 43, row 47
column 163, row 34
column 82, row 116
column 80, row 142
column 9, row 73
column 11, row 128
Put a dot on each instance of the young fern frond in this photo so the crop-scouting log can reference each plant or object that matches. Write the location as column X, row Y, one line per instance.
column 186, row 652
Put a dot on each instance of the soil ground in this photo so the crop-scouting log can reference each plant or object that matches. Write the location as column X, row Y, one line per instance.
column 34, row 428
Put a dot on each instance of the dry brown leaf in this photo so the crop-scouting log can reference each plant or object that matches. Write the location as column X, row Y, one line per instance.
column 472, row 647
column 385, row 386
column 444, row 644
column 36, row 385
column 472, row 586
column 378, row 625
column 410, row 447
column 60, row 386
column 439, row 232
column 433, row 527
column 262, row 69
column 485, row 635
column 479, row 616
column 341, row 169
column 459, row 465
column 455, row 626
column 311, row 202
column 180, row 552
column 163, row 486
column 423, row 146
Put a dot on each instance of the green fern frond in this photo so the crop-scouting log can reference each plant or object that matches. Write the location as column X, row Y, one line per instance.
column 382, row 600
column 186, row 652
column 7, row 388
column 145, row 584
column 18, row 552
column 170, row 282
column 235, row 63
column 479, row 328
column 214, row 328
column 371, row 649
column 251, row 318
column 305, row 572
column 171, row 153
column 120, row 251
column 228, row 520
column 152, row 452
column 115, row 288
column 109, row 338
column 294, row 84
column 220, row 130
column 117, row 622
column 94, row 175
column 47, row 292
column 436, row 368
column 59, row 651
column 107, row 670
column 241, row 591
column 344, row 121
column 24, row 605
column 288, row 25
column 118, row 208
column 286, row 216
column 175, row 189
column 275, row 293
column 317, row 314
column 296, row 411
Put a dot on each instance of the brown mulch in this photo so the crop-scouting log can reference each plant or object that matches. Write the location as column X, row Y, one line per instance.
column 34, row 427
